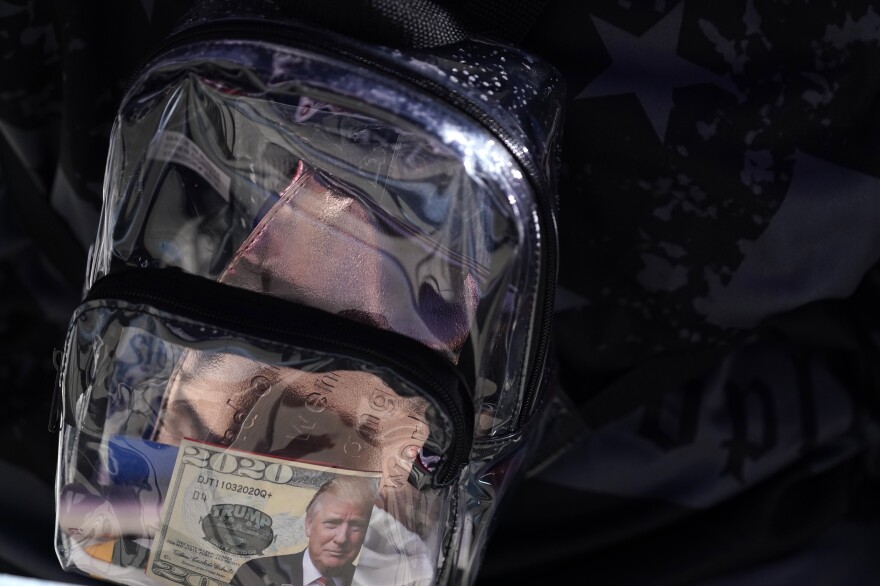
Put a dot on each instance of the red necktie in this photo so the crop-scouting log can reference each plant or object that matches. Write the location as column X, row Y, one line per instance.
column 324, row 581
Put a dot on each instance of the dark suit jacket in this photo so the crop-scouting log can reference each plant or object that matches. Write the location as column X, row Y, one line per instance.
column 278, row 570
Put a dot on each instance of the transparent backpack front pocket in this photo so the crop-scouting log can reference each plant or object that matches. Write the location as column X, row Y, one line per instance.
column 191, row 452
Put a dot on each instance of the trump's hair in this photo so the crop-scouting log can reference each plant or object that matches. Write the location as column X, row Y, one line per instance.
column 357, row 490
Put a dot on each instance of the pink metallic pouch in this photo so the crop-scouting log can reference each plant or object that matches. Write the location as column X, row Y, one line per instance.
column 223, row 398
column 319, row 288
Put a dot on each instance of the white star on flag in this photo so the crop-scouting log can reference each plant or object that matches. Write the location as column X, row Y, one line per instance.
column 649, row 66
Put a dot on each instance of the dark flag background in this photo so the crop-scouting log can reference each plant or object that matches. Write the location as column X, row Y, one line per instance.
column 720, row 235
column 718, row 325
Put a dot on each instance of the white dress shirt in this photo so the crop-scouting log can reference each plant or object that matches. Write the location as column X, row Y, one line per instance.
column 311, row 573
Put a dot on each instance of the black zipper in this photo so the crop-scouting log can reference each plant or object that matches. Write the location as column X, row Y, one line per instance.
column 338, row 46
column 276, row 320
column 55, row 410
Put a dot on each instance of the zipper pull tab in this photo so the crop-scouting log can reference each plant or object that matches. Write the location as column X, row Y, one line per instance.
column 55, row 410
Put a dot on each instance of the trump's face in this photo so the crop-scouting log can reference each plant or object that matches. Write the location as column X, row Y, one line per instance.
column 336, row 531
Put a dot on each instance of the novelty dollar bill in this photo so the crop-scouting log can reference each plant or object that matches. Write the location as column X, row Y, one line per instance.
column 225, row 507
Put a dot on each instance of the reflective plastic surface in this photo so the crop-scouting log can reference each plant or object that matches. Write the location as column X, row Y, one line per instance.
column 259, row 419
column 407, row 215
column 193, row 453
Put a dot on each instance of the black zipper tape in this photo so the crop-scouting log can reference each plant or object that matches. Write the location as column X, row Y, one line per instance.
column 55, row 410
column 331, row 44
column 283, row 322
